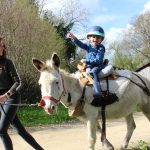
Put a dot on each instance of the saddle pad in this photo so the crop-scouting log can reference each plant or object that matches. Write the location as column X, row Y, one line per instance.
column 88, row 79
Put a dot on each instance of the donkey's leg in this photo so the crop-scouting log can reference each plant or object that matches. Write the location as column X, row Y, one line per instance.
column 91, row 126
column 106, row 143
column 130, row 128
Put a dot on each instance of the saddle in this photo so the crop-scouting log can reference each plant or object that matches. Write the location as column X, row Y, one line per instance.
column 88, row 78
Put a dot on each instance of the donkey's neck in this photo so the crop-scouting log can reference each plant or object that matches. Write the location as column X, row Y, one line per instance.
column 72, row 87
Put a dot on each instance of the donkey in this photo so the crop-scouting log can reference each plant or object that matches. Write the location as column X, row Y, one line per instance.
column 58, row 85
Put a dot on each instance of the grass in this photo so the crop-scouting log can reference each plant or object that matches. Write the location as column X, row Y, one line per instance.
column 34, row 116
column 142, row 145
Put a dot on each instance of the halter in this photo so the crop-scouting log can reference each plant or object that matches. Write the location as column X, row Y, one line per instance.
column 51, row 98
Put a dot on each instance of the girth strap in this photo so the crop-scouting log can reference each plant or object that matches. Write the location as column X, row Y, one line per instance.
column 145, row 89
column 103, row 134
column 103, row 115
column 83, row 94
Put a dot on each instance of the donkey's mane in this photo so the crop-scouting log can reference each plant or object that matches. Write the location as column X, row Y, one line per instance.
column 67, row 74
column 70, row 80
column 48, row 63
column 62, row 71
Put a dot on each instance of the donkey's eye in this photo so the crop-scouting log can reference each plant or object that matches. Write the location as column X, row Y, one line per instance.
column 57, row 82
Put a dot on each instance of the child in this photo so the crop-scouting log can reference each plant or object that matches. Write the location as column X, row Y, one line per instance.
column 94, row 54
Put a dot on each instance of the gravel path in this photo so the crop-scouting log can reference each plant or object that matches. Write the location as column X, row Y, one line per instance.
column 74, row 136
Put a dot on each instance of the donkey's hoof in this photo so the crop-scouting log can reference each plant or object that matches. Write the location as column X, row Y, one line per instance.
column 108, row 148
column 122, row 148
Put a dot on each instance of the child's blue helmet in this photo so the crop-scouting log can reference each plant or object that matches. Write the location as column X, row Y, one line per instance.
column 96, row 30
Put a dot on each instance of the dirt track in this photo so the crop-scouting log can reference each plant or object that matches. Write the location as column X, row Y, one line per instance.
column 74, row 136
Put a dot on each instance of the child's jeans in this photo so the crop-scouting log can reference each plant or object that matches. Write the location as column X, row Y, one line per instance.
column 95, row 71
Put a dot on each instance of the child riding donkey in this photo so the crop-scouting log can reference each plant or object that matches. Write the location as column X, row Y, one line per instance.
column 94, row 55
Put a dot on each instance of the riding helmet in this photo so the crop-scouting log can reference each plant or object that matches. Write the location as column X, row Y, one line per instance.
column 96, row 30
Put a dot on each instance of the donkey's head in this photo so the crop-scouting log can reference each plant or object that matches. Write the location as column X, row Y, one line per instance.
column 50, row 81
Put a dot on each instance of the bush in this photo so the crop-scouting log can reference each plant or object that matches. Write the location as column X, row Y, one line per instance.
column 142, row 145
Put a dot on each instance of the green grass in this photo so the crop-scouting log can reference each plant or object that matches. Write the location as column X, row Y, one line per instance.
column 34, row 116
column 142, row 145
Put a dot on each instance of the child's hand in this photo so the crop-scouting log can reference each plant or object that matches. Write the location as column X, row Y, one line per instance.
column 83, row 60
column 70, row 35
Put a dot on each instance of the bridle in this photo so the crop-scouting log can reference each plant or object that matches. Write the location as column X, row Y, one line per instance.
column 51, row 98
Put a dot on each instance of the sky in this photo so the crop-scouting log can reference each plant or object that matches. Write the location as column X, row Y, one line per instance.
column 113, row 15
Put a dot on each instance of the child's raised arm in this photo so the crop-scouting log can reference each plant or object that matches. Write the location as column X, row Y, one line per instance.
column 70, row 35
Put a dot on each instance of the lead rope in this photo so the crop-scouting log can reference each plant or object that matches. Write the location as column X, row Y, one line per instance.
column 83, row 94
column 21, row 104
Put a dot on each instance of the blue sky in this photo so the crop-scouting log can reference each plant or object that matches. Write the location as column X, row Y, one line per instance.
column 115, row 16
column 112, row 15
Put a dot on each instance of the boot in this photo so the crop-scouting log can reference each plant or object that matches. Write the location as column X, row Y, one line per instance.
column 97, row 88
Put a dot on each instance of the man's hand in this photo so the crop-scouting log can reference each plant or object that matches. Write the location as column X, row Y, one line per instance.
column 3, row 98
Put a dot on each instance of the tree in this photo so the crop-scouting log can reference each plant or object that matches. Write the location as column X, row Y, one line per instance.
column 67, row 17
column 122, row 59
column 135, row 45
column 27, row 35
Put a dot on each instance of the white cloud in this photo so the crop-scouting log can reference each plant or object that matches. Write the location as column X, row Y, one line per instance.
column 101, row 19
column 52, row 5
column 146, row 7
column 87, row 2
column 91, row 5
column 98, row 13
column 116, row 34
column 55, row 5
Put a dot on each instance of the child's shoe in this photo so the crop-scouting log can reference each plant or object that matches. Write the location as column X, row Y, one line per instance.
column 97, row 95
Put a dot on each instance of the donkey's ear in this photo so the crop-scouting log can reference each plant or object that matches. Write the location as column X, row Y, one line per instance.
column 39, row 65
column 55, row 60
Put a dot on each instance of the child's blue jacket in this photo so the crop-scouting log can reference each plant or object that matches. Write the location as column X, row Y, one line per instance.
column 94, row 54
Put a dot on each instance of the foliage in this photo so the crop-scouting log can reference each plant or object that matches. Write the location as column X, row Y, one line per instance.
column 62, row 30
column 32, row 88
column 134, row 48
column 124, row 61
column 27, row 35
column 142, row 145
